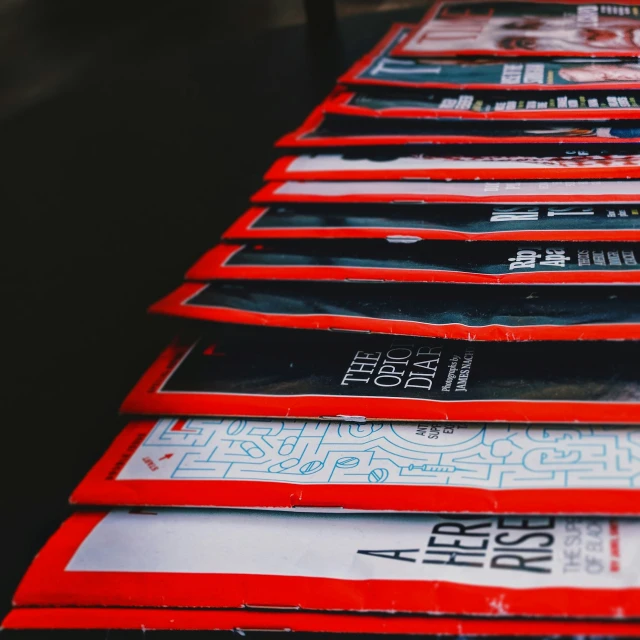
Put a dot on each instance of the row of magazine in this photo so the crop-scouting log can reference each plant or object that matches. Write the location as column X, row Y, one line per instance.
column 406, row 397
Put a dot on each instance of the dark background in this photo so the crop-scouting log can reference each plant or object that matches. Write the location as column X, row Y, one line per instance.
column 131, row 133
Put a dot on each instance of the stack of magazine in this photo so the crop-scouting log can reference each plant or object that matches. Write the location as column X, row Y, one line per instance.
column 411, row 402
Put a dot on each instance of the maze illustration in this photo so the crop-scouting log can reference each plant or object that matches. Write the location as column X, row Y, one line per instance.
column 314, row 452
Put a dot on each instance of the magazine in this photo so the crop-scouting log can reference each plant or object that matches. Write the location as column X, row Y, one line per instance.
column 406, row 223
column 493, row 566
column 383, row 166
column 423, row 261
column 485, row 106
column 323, row 129
column 379, row 68
column 532, row 28
column 384, row 467
column 427, row 191
column 463, row 312
column 286, row 373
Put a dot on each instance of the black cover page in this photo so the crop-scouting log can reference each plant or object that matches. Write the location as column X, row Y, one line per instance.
column 440, row 222
column 463, row 105
column 342, row 130
column 297, row 374
column 424, row 261
column 469, row 312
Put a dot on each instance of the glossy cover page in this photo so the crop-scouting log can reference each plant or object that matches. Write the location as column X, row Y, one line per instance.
column 322, row 129
column 463, row 312
column 406, row 223
column 285, row 373
column 428, row 467
column 498, row 567
column 494, row 106
column 533, row 28
column 379, row 69
column 423, row 261
column 372, row 165
column 416, row 191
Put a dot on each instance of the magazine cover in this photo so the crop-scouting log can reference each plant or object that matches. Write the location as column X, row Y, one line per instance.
column 462, row 312
column 503, row 567
column 532, row 28
column 422, row 467
column 322, row 129
column 496, row 105
column 403, row 223
column 379, row 166
column 247, row 620
column 426, row 191
column 379, row 69
column 284, row 373
column 423, row 261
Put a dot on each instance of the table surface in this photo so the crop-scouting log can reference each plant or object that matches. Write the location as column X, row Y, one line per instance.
column 132, row 133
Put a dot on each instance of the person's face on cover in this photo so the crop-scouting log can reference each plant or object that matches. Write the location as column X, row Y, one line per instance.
column 602, row 73
column 562, row 34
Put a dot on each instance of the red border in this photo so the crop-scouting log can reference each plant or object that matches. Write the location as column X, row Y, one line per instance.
column 243, row 229
column 97, row 488
column 299, row 138
column 281, row 171
column 176, row 304
column 338, row 103
column 404, row 50
column 244, row 225
column 144, row 399
column 212, row 263
column 309, row 125
column 46, row 583
column 269, row 194
column 212, row 266
column 352, row 76
column 194, row 619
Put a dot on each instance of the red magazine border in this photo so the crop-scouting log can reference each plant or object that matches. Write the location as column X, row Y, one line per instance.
column 214, row 266
column 300, row 138
column 338, row 103
column 100, row 487
column 176, row 304
column 243, row 229
column 144, row 399
column 47, row 584
column 244, row 224
column 163, row 619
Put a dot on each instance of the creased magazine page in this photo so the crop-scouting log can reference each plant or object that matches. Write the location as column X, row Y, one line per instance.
column 428, row 467
column 449, row 104
column 534, row 28
column 372, row 166
column 463, row 312
column 495, row 192
column 281, row 373
column 380, row 69
column 405, row 223
column 424, row 261
column 254, row 622
column 511, row 566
